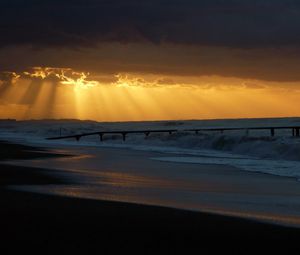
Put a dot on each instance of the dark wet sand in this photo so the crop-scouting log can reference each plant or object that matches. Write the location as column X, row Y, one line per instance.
column 60, row 225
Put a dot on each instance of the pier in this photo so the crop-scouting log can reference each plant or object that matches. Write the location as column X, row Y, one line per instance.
column 122, row 133
column 295, row 132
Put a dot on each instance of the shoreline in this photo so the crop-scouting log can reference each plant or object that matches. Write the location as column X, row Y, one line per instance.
column 281, row 167
column 52, row 223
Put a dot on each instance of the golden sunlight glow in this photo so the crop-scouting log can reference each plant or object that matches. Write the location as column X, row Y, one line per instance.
column 64, row 75
column 42, row 94
column 40, row 72
column 80, row 82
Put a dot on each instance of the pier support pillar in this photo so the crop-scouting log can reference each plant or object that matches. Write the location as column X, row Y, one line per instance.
column 101, row 137
column 124, row 136
column 272, row 132
column 297, row 132
column 247, row 132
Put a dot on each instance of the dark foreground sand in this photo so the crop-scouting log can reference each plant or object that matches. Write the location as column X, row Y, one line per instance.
column 60, row 225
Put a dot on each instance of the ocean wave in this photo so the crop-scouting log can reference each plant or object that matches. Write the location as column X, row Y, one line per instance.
column 257, row 151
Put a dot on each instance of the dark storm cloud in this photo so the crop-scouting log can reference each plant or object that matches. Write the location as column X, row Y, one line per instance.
column 78, row 23
column 274, row 64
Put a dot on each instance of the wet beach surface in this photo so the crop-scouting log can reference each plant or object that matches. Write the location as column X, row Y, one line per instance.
column 126, row 175
column 55, row 224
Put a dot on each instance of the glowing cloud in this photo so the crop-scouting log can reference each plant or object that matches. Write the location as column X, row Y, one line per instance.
column 65, row 76
column 10, row 77
column 127, row 80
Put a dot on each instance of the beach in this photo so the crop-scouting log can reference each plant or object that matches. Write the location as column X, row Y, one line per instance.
column 149, row 127
column 59, row 224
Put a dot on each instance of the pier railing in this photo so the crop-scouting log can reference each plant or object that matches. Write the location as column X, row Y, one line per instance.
column 295, row 132
column 123, row 133
column 295, row 129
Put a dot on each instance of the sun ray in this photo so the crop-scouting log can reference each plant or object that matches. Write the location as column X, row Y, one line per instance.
column 64, row 93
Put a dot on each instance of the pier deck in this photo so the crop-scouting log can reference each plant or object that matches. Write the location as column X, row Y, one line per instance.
column 295, row 131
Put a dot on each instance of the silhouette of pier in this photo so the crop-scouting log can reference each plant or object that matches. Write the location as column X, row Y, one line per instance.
column 295, row 132
column 123, row 133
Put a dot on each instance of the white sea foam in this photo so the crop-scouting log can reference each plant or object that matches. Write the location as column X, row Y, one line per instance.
column 257, row 151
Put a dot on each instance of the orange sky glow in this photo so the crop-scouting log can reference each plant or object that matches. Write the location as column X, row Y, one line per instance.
column 63, row 93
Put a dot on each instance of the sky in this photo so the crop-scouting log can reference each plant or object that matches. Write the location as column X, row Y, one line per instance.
column 116, row 60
